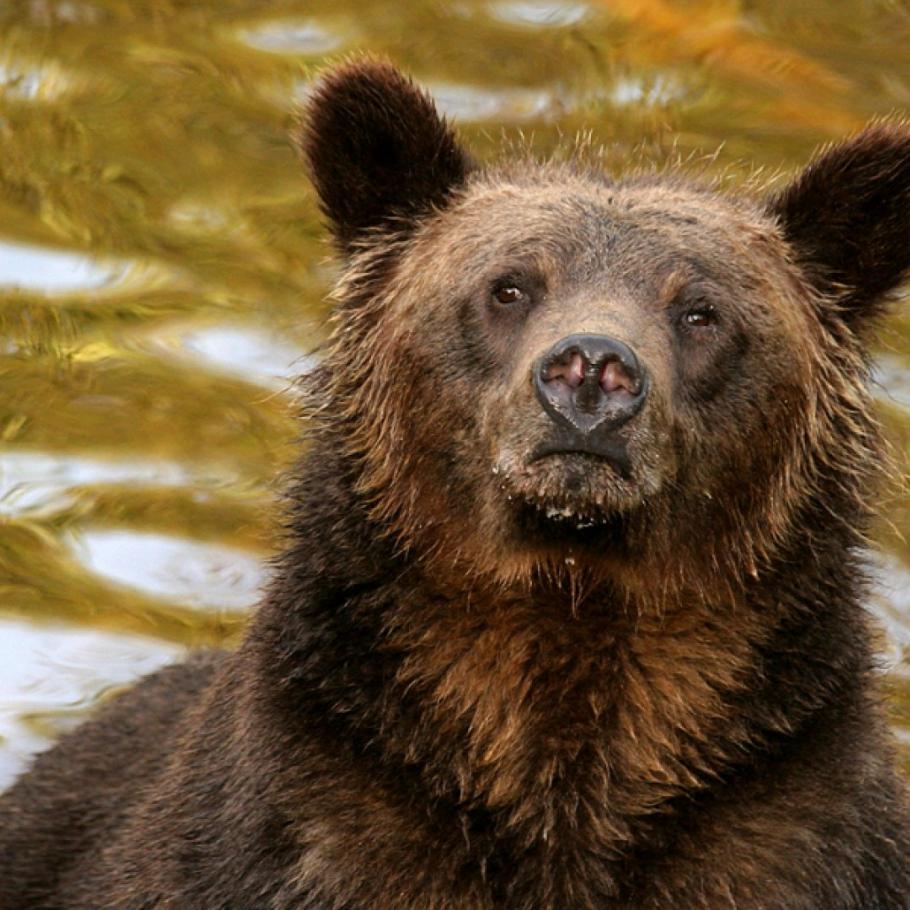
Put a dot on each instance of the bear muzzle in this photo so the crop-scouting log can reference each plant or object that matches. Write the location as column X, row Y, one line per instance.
column 589, row 386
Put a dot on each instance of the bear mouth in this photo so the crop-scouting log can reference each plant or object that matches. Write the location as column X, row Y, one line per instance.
column 612, row 450
column 571, row 492
column 548, row 525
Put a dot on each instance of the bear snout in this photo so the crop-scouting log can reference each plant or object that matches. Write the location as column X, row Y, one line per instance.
column 590, row 385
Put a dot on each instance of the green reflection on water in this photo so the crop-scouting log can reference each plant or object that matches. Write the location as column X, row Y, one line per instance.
column 152, row 138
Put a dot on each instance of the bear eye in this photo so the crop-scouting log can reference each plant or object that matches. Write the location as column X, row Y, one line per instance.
column 508, row 294
column 700, row 318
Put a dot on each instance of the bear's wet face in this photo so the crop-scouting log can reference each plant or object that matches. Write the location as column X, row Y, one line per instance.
column 589, row 363
column 539, row 366
column 598, row 383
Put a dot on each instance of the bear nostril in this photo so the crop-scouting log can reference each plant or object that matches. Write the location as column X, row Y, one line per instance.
column 613, row 378
column 572, row 372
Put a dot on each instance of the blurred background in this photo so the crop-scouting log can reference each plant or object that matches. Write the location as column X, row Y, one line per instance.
column 163, row 271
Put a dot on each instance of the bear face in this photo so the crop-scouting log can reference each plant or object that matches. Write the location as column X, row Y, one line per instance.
column 543, row 372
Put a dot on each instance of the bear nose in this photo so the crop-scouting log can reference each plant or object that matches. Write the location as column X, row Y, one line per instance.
column 589, row 382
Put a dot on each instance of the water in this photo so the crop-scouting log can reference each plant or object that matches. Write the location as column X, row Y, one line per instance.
column 163, row 271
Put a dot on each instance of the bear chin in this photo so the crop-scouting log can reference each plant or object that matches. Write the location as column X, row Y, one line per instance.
column 577, row 490
column 571, row 500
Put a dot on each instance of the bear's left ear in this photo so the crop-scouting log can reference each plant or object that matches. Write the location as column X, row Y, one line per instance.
column 847, row 217
column 377, row 150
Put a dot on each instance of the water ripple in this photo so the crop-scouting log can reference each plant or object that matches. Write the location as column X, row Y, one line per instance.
column 208, row 576
column 469, row 103
column 539, row 13
column 39, row 268
column 291, row 36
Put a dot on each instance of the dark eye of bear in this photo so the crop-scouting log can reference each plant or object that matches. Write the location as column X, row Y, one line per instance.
column 701, row 318
column 508, row 294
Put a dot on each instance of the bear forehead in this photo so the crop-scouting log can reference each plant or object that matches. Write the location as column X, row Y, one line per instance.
column 563, row 223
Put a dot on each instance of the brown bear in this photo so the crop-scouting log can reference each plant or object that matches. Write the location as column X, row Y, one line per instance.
column 571, row 612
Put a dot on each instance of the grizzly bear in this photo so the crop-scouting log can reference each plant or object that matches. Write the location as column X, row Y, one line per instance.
column 570, row 616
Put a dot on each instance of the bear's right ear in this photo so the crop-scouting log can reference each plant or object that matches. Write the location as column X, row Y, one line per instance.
column 377, row 150
column 847, row 218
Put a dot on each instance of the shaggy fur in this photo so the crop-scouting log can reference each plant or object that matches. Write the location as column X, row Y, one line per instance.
column 487, row 678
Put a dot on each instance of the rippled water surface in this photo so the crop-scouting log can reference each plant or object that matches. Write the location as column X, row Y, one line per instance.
column 163, row 272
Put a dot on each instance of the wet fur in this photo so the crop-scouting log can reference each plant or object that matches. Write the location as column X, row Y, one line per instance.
column 434, row 710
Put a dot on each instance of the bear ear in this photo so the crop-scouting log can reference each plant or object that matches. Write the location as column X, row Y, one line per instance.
column 377, row 150
column 847, row 217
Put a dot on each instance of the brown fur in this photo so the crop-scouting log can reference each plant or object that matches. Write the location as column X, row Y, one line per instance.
column 486, row 679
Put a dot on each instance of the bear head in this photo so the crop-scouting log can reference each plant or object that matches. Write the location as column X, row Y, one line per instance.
column 539, row 372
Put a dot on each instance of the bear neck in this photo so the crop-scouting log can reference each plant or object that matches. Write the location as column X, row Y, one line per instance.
column 539, row 726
